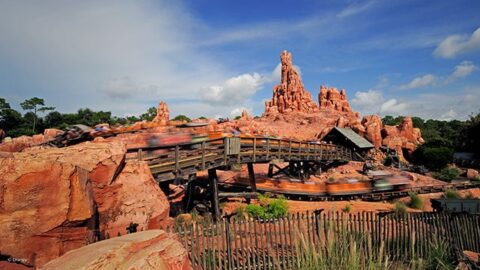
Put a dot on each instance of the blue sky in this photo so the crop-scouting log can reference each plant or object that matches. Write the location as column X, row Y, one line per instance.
column 217, row 58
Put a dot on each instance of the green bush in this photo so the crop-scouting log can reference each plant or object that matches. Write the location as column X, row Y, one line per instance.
column 268, row 208
column 433, row 157
column 256, row 210
column 415, row 201
column 451, row 194
column 400, row 208
column 241, row 212
column 347, row 209
column 448, row 173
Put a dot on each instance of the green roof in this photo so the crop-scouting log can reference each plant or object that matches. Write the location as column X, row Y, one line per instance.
column 358, row 140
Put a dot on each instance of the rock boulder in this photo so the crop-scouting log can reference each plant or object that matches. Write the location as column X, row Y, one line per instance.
column 154, row 249
column 58, row 199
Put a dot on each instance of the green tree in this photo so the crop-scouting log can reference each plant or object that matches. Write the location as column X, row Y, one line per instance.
column 392, row 121
column 182, row 117
column 53, row 119
column 9, row 118
column 35, row 105
column 150, row 114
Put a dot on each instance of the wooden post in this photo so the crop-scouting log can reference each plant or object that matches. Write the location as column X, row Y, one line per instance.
column 270, row 170
column 212, row 177
column 251, row 175
column 203, row 155
column 254, row 148
column 140, row 154
column 268, row 148
column 225, row 146
column 289, row 149
column 177, row 157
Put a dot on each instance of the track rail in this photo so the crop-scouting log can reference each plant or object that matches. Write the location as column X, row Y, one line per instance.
column 373, row 196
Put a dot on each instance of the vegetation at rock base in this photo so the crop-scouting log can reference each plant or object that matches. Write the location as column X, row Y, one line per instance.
column 347, row 209
column 345, row 250
column 442, row 139
column 448, row 173
column 400, row 208
column 415, row 201
column 268, row 207
column 451, row 194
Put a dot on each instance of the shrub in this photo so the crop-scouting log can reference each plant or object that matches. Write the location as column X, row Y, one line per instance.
column 415, row 201
column 451, row 194
column 268, row 207
column 256, row 210
column 400, row 208
column 433, row 157
column 241, row 212
column 347, row 209
column 448, row 173
column 469, row 195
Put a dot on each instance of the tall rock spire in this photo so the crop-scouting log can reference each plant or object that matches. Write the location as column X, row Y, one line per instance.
column 290, row 95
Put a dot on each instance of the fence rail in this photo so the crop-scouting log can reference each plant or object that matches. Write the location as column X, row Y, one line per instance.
column 286, row 243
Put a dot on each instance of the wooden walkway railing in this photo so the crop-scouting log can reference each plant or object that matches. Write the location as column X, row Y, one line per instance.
column 188, row 158
column 286, row 243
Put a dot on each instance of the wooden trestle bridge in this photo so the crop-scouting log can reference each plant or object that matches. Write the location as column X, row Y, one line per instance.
column 182, row 161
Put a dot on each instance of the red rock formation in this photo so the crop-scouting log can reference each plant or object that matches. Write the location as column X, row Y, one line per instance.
column 290, row 95
column 403, row 136
column 22, row 142
column 373, row 129
column 163, row 114
column 330, row 98
column 246, row 116
column 49, row 199
column 154, row 249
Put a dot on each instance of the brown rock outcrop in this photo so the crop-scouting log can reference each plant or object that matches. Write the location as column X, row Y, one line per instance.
column 22, row 142
column 403, row 136
column 373, row 129
column 154, row 249
column 58, row 199
column 290, row 95
column 472, row 174
column 163, row 114
column 330, row 98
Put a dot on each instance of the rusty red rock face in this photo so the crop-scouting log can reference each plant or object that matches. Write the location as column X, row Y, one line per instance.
column 58, row 199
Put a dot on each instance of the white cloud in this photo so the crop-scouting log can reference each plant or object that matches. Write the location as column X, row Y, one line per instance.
column 464, row 69
column 238, row 111
column 423, row 81
column 392, row 106
column 354, row 8
column 83, row 53
column 233, row 91
column 368, row 101
column 449, row 115
column 458, row 44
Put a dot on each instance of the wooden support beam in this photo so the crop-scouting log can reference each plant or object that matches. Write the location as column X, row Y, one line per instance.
column 251, row 175
column 203, row 155
column 212, row 177
column 270, row 170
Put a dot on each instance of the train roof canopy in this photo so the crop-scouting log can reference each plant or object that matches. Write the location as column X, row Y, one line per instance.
column 348, row 135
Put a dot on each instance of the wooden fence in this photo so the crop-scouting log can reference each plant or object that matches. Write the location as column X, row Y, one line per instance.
column 283, row 243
